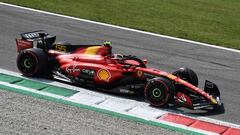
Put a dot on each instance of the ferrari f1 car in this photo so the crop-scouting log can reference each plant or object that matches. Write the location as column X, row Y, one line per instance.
column 95, row 66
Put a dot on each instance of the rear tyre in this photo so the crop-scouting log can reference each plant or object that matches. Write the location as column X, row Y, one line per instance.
column 159, row 92
column 32, row 62
column 188, row 75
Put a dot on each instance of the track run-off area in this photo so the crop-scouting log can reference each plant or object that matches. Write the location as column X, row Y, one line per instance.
column 220, row 65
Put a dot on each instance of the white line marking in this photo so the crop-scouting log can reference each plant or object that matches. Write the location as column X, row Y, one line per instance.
column 218, row 122
column 116, row 105
column 147, row 112
column 85, row 98
column 123, row 28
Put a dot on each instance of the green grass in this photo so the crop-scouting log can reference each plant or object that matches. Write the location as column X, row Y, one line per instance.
column 210, row 21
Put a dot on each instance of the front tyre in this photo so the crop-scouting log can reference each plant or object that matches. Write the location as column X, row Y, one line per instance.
column 188, row 75
column 32, row 62
column 159, row 92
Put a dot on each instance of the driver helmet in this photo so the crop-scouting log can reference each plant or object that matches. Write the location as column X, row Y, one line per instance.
column 108, row 46
column 107, row 43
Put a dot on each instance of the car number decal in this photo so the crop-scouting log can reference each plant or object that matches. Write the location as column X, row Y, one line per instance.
column 61, row 48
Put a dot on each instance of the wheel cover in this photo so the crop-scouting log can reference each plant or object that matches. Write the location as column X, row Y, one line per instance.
column 156, row 93
column 27, row 63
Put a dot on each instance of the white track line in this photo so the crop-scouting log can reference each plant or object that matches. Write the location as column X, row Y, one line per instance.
column 123, row 28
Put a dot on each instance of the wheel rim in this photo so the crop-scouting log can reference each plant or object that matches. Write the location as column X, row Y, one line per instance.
column 153, row 95
column 156, row 93
column 27, row 63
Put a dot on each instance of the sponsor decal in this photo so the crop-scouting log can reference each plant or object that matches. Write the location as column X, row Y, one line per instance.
column 88, row 72
column 181, row 81
column 72, row 68
column 183, row 98
column 209, row 85
column 126, row 91
column 61, row 48
column 104, row 74
column 140, row 73
column 24, row 42
column 171, row 76
column 31, row 35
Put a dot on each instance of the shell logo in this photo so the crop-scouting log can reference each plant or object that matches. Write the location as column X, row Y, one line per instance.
column 104, row 75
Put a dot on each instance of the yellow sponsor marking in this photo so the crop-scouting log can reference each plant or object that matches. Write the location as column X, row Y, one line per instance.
column 92, row 50
column 214, row 101
column 171, row 76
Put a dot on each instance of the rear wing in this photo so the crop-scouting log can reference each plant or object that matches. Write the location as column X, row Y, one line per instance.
column 38, row 39
column 34, row 35
column 23, row 44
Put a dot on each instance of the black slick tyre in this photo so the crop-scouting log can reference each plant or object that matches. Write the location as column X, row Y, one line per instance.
column 159, row 92
column 32, row 62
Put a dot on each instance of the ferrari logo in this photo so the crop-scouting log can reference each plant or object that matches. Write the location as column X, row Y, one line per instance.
column 104, row 75
column 139, row 73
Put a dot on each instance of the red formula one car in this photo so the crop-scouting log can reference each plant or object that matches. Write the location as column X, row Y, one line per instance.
column 95, row 66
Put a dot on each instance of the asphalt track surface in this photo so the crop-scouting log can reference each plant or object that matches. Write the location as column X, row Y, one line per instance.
column 217, row 65
column 27, row 115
